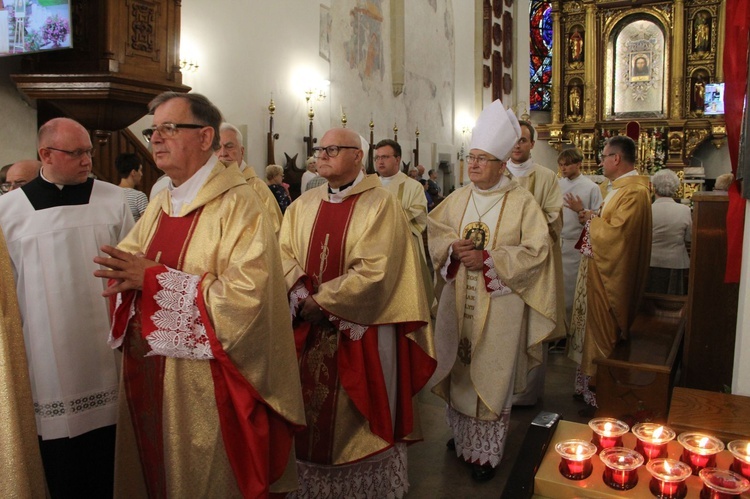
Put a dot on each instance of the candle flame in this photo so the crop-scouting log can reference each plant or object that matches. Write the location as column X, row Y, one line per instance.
column 607, row 426
column 747, row 449
column 657, row 432
column 667, row 467
column 579, row 450
column 703, row 442
column 621, row 459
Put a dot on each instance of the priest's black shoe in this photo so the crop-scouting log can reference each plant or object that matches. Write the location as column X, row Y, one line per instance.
column 482, row 473
column 451, row 444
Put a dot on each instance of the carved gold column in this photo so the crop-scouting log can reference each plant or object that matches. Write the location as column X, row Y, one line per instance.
column 677, row 56
column 557, row 76
column 720, row 40
column 590, row 64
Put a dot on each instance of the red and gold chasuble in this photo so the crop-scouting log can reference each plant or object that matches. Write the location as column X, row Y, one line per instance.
column 256, row 439
column 330, row 360
column 143, row 376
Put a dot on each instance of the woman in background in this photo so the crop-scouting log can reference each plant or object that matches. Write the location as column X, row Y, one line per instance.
column 275, row 180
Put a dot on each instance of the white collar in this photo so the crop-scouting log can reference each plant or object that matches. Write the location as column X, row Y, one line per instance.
column 521, row 170
column 502, row 183
column 187, row 192
column 631, row 173
column 336, row 196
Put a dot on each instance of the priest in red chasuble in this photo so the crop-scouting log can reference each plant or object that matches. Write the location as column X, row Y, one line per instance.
column 490, row 246
column 202, row 319
column 361, row 327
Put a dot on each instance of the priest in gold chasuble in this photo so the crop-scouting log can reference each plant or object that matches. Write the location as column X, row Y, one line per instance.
column 489, row 243
column 616, row 248
column 361, row 323
column 208, row 409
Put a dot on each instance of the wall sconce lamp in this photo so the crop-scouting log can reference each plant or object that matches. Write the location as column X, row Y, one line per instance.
column 188, row 66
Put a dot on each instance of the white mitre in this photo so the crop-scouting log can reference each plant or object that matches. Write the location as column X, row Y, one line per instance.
column 497, row 131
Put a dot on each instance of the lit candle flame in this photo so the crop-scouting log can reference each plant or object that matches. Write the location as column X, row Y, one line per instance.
column 657, row 432
column 667, row 467
column 579, row 450
column 621, row 459
column 747, row 449
column 703, row 442
column 607, row 428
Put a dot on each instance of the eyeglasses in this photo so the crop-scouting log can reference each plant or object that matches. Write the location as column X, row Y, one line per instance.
column 331, row 151
column 604, row 156
column 384, row 157
column 168, row 130
column 9, row 186
column 480, row 160
column 78, row 153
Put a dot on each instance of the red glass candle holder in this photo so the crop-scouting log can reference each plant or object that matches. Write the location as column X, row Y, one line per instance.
column 575, row 462
column 652, row 440
column 722, row 484
column 621, row 467
column 699, row 450
column 608, row 432
column 668, row 478
column 740, row 449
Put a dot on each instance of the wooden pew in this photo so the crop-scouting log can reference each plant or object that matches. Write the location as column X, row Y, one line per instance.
column 635, row 382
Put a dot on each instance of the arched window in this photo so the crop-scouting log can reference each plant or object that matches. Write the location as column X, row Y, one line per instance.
column 540, row 66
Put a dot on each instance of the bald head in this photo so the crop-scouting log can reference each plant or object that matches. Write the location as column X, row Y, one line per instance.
column 22, row 173
column 65, row 150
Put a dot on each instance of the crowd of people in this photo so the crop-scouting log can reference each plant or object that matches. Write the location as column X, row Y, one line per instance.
column 224, row 340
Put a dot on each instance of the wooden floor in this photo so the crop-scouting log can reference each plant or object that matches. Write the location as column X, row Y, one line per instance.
column 434, row 472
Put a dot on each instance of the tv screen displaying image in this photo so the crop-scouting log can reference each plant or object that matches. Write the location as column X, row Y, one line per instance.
column 713, row 99
column 28, row 26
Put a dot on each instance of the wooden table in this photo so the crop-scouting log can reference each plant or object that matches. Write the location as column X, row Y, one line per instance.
column 722, row 415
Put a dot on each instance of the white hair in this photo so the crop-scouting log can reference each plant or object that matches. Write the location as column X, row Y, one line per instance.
column 229, row 127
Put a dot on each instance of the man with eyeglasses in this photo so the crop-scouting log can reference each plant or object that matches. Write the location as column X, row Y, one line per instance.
column 361, row 325
column 21, row 173
column 542, row 183
column 616, row 249
column 410, row 195
column 489, row 245
column 232, row 151
column 201, row 318
column 52, row 226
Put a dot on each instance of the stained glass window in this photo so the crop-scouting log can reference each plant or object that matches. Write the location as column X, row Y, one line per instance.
column 540, row 66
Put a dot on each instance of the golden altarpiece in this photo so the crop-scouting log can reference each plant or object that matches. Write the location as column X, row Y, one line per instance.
column 639, row 68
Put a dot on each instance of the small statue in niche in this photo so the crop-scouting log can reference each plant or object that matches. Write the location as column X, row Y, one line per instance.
column 699, row 94
column 574, row 102
column 575, row 44
column 701, row 32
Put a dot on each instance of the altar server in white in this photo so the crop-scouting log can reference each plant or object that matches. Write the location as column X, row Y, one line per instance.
column 53, row 225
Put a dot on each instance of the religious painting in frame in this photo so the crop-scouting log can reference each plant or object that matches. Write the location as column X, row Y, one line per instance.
column 324, row 42
column 640, row 66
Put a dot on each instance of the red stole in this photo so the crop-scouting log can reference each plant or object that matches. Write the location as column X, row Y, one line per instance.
column 143, row 376
column 331, row 360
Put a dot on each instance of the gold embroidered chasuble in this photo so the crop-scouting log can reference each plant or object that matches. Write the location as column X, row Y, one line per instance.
column 542, row 183
column 265, row 196
column 21, row 471
column 507, row 330
column 616, row 278
column 411, row 196
column 380, row 284
column 234, row 250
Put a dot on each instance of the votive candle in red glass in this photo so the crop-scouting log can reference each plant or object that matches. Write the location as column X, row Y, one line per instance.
column 722, row 484
column 621, row 467
column 575, row 462
column 699, row 450
column 740, row 449
column 652, row 440
column 668, row 478
column 608, row 432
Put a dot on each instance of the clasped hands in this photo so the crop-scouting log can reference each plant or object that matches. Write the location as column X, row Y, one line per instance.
column 309, row 311
column 125, row 268
column 464, row 251
column 575, row 203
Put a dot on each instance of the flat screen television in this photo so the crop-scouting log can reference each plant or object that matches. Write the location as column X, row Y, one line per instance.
column 713, row 99
column 28, row 26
